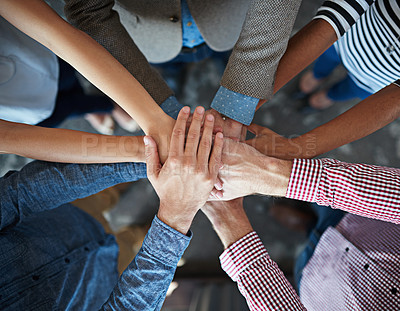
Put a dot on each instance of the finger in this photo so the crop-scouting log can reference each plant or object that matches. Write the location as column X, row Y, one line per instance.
column 193, row 137
column 243, row 134
column 152, row 157
column 218, row 124
column 178, row 133
column 219, row 184
column 216, row 194
column 189, row 121
column 203, row 154
column 219, row 194
column 255, row 128
column 215, row 160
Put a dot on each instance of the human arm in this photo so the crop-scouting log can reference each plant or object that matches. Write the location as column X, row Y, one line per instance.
column 40, row 186
column 246, row 260
column 183, row 185
column 255, row 57
column 333, row 19
column 303, row 48
column 68, row 146
column 366, row 117
column 39, row 21
column 144, row 283
column 99, row 20
column 366, row 190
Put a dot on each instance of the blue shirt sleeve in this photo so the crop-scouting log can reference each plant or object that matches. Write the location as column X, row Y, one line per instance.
column 236, row 106
column 171, row 107
column 144, row 283
column 40, row 186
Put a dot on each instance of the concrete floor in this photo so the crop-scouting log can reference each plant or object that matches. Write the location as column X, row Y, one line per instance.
column 281, row 115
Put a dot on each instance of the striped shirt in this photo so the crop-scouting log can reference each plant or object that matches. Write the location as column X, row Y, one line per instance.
column 355, row 265
column 369, row 39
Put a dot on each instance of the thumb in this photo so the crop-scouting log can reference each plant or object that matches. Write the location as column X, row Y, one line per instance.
column 152, row 157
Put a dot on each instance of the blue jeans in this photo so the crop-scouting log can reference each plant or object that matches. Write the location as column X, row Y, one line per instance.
column 172, row 69
column 327, row 217
column 343, row 90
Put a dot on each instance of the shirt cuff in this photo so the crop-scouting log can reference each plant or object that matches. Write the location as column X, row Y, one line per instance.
column 236, row 106
column 397, row 82
column 304, row 179
column 241, row 254
column 165, row 243
column 171, row 107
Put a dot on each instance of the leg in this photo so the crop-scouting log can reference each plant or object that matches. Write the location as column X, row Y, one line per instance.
column 326, row 63
column 345, row 90
column 323, row 67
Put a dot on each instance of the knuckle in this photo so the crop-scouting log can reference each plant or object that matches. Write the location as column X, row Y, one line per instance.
column 193, row 134
column 174, row 161
column 178, row 132
column 197, row 117
column 206, row 143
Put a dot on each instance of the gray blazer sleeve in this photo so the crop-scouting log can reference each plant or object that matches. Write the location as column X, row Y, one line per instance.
column 102, row 23
column 263, row 40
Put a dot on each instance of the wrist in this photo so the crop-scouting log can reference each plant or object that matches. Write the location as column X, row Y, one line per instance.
column 306, row 145
column 232, row 227
column 134, row 147
column 274, row 177
column 228, row 219
column 159, row 125
column 178, row 218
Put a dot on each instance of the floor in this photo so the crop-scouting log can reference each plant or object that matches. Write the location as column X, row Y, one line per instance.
column 282, row 116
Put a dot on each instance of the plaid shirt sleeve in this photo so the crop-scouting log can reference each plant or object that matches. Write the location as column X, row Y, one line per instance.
column 259, row 279
column 366, row 190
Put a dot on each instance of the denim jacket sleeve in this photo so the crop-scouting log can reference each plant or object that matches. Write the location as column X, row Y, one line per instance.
column 41, row 186
column 144, row 284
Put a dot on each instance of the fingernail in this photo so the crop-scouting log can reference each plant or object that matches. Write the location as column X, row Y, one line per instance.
column 186, row 109
column 146, row 140
column 219, row 135
column 218, row 186
column 200, row 110
column 219, row 195
column 210, row 117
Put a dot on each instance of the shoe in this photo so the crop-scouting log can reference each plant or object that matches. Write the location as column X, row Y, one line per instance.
column 294, row 215
column 124, row 120
column 102, row 123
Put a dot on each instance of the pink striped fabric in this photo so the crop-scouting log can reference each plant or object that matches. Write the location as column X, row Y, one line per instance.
column 259, row 279
column 354, row 267
column 366, row 190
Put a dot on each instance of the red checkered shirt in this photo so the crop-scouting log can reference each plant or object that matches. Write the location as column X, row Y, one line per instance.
column 355, row 266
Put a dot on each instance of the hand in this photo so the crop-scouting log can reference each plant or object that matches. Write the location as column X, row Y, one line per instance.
column 162, row 136
column 234, row 130
column 231, row 128
column 272, row 144
column 228, row 219
column 186, row 179
column 219, row 122
column 246, row 171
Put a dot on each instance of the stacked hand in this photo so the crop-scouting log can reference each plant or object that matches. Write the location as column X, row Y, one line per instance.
column 194, row 165
column 186, row 179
